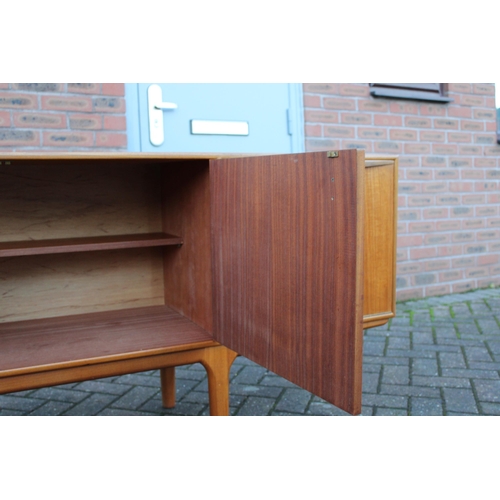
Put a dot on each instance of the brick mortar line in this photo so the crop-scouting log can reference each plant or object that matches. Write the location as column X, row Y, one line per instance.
column 390, row 127
column 25, row 396
column 490, row 352
column 276, row 401
column 90, row 395
column 149, row 399
column 73, row 404
column 205, row 407
column 244, row 398
column 410, row 378
column 443, row 401
column 67, row 93
column 476, row 397
column 380, row 378
column 497, row 319
column 453, row 298
column 309, row 403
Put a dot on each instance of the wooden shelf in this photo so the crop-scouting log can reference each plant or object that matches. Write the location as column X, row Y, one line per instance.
column 83, row 339
column 69, row 245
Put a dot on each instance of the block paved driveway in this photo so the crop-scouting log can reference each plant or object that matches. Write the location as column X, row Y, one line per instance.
column 439, row 356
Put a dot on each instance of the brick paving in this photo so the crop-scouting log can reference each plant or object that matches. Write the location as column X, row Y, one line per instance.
column 439, row 356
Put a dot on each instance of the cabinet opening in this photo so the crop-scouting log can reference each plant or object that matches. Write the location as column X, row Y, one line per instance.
column 82, row 236
column 102, row 259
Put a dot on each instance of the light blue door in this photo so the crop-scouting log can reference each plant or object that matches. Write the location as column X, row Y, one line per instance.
column 215, row 117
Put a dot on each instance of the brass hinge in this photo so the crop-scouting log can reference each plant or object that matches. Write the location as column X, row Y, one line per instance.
column 332, row 154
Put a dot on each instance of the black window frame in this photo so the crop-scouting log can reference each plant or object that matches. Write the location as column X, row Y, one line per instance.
column 434, row 92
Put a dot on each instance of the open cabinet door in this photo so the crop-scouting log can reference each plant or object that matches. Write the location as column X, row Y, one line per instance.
column 287, row 261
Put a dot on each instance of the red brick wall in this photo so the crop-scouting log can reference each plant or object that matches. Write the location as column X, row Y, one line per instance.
column 62, row 116
column 449, row 196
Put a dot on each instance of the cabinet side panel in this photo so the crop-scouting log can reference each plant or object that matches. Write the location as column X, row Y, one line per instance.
column 45, row 286
column 186, row 213
column 287, row 268
column 380, row 243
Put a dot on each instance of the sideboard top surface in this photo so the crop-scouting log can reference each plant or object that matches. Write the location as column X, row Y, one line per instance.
column 83, row 155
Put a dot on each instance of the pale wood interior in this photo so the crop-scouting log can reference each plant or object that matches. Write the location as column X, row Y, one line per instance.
column 380, row 241
column 87, row 268
column 72, row 200
column 44, row 286
column 46, row 200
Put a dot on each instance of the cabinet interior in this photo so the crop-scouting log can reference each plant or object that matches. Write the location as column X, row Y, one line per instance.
column 87, row 245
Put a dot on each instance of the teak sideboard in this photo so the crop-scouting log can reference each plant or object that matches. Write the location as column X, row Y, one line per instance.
column 119, row 263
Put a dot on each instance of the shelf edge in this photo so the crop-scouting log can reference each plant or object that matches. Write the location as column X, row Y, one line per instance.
column 90, row 244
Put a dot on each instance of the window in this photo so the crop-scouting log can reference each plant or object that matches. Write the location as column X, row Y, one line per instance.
column 418, row 91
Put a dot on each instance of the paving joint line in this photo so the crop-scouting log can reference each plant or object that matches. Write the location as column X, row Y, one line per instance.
column 476, row 397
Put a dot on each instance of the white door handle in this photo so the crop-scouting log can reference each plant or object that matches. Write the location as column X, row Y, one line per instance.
column 166, row 105
column 155, row 111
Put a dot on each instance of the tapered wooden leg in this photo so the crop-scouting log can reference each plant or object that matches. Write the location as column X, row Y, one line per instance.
column 167, row 377
column 217, row 361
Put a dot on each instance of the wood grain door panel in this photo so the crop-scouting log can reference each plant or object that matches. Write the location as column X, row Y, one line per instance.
column 287, row 258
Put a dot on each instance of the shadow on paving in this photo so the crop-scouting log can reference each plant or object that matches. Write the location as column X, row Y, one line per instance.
column 439, row 356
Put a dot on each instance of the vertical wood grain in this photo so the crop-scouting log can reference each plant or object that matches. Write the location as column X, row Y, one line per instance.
column 380, row 242
column 287, row 262
column 186, row 212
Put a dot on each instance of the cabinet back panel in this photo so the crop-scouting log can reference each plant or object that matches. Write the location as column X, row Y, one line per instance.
column 44, row 286
column 66, row 199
